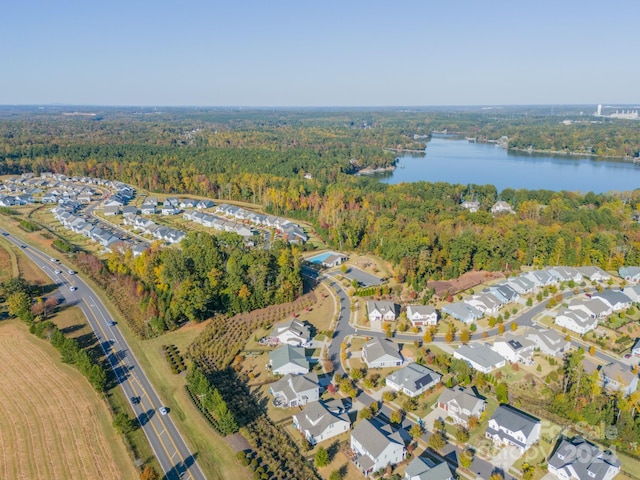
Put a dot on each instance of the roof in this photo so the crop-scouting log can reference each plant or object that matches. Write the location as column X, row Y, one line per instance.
column 480, row 354
column 548, row 337
column 294, row 326
column 612, row 296
column 373, row 439
column 425, row 310
column 583, row 459
column 629, row 272
column 291, row 385
column 414, row 377
column 381, row 306
column 288, row 354
column 617, row 372
column 379, row 347
column 426, row 469
column 513, row 420
column 463, row 397
column 316, row 417
column 515, row 342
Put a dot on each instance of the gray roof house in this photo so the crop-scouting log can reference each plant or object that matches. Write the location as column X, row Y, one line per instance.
column 635, row 350
column 633, row 292
column 480, row 357
column 594, row 273
column 375, row 447
column 630, row 274
column 413, row 379
column 618, row 378
column 381, row 353
column 462, row 311
column 420, row 315
column 382, row 310
column 578, row 459
column 293, row 332
column 461, row 404
column 320, row 421
column 288, row 359
column 422, row 468
column 510, row 426
column 548, row 341
column 616, row 299
column 514, row 348
column 576, row 320
column 295, row 390
column 521, row 284
column 564, row 274
column 504, row 292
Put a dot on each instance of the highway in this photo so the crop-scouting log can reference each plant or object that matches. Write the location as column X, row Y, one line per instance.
column 172, row 452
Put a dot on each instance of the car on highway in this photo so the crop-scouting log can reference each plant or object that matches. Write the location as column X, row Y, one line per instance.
column 135, row 400
column 73, row 288
column 112, row 324
column 54, row 260
column 71, row 272
column 23, row 246
column 6, row 234
column 57, row 272
column 163, row 411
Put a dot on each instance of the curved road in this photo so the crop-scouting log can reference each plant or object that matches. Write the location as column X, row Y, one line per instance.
column 170, row 449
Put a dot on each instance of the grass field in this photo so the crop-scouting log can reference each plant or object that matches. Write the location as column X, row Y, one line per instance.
column 53, row 425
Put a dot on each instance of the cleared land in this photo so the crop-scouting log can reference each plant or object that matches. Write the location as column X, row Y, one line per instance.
column 53, row 425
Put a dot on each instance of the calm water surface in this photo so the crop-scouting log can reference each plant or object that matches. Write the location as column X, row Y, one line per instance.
column 455, row 160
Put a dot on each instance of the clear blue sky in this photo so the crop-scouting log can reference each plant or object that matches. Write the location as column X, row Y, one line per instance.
column 322, row 53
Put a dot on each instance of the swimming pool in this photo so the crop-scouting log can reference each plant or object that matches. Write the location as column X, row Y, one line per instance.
column 321, row 257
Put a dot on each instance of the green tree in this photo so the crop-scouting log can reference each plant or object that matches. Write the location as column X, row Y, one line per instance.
column 122, row 423
column 502, row 393
column 321, row 457
column 466, row 458
column 437, row 441
column 415, row 431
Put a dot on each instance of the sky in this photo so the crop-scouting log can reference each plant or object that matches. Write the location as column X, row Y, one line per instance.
column 322, row 53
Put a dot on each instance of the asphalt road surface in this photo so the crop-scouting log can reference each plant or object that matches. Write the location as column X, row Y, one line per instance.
column 172, row 452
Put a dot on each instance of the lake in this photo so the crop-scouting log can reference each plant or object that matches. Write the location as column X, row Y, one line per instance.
column 455, row 160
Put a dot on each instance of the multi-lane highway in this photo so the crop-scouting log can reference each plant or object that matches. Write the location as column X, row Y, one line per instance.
column 173, row 454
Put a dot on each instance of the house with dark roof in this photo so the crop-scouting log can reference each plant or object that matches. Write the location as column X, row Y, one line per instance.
column 320, row 421
column 375, row 447
column 381, row 353
column 577, row 459
column 295, row 390
column 510, row 426
column 460, row 404
column 422, row 468
column 635, row 350
column 413, row 380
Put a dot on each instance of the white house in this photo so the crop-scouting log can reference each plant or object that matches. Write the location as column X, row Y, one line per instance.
column 595, row 274
column 462, row 311
column 381, row 353
column 413, row 380
column 320, row 421
column 422, row 468
column 578, row 459
column 375, row 447
column 472, row 206
column 420, row 315
column 510, row 426
column 514, row 348
column 480, row 357
column 630, row 274
column 576, row 320
column 615, row 299
column 618, row 378
column 295, row 390
column 461, row 404
column 288, row 359
column 381, row 310
column 486, row 303
column 293, row 332
column 548, row 341
column 501, row 207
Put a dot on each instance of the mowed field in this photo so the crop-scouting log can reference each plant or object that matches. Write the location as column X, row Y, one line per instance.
column 53, row 425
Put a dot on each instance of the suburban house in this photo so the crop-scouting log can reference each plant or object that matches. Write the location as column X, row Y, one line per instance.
column 504, row 292
column 422, row 468
column 548, row 341
column 576, row 320
column 205, row 204
column 501, row 207
column 288, row 359
column 486, row 303
column 111, row 210
column 510, row 426
column 615, row 299
column 375, row 448
column 566, row 274
column 460, row 404
column 594, row 307
column 382, row 310
column 635, row 350
column 295, row 390
column 541, row 278
column 521, row 284
column 618, row 378
column 578, row 459
column 630, row 274
column 293, row 332
column 334, row 260
column 381, row 353
column 595, row 274
column 462, row 311
column 480, row 357
column 514, row 348
column 633, row 292
column 319, row 421
column 148, row 209
column 420, row 315
column 413, row 379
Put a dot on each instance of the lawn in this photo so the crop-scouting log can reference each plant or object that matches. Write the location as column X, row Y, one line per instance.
column 54, row 425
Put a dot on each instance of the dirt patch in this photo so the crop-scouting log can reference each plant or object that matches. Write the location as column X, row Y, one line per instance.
column 238, row 442
column 468, row 280
column 53, row 425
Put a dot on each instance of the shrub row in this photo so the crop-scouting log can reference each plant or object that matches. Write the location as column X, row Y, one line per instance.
column 174, row 359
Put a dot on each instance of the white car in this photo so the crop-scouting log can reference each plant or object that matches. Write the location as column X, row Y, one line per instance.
column 71, row 272
column 54, row 260
column 163, row 411
column 72, row 288
column 58, row 272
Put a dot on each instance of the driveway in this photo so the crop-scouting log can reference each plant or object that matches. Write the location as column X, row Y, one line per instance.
column 365, row 279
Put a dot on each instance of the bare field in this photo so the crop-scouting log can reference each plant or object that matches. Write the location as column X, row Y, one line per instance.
column 53, row 425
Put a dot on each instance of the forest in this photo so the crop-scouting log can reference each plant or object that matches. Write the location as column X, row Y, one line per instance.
column 300, row 164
